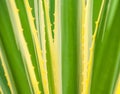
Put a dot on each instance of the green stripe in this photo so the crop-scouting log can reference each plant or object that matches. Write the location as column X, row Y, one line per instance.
column 69, row 30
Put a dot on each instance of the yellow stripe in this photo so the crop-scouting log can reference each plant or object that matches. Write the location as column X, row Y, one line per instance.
column 57, row 49
column 1, row 91
column 117, row 89
column 84, row 52
column 42, row 30
column 86, row 43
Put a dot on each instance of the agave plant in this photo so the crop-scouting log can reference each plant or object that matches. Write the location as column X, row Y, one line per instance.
column 59, row 46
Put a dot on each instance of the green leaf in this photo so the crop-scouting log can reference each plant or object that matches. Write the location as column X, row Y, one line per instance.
column 9, row 44
column 70, row 45
column 106, row 61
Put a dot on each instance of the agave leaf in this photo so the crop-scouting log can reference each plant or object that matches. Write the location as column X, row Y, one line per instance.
column 107, row 50
column 52, row 58
column 3, row 81
column 6, row 75
column 29, row 40
column 70, row 33
column 42, row 64
column 59, row 46
column 15, row 59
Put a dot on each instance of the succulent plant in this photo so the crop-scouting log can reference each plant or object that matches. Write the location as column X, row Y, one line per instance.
column 59, row 46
